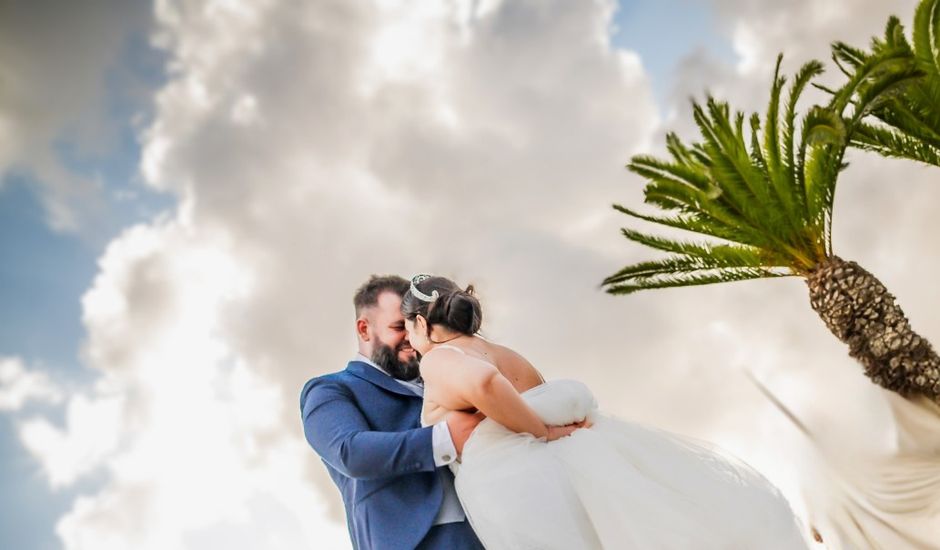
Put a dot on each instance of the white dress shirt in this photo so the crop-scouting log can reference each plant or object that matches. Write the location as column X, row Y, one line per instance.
column 444, row 450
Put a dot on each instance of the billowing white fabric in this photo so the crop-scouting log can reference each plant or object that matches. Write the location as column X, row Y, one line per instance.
column 617, row 485
column 882, row 502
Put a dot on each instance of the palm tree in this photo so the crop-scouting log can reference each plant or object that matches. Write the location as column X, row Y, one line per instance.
column 909, row 119
column 767, row 197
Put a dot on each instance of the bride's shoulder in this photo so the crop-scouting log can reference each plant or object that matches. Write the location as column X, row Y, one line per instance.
column 452, row 360
column 516, row 367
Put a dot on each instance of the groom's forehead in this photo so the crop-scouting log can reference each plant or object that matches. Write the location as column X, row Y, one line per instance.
column 388, row 304
column 389, row 300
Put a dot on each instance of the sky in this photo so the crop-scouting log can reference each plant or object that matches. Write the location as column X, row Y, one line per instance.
column 191, row 192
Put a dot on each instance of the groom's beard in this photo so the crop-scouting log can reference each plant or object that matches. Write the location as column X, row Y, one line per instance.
column 386, row 357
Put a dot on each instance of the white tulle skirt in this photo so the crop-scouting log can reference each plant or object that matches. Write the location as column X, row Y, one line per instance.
column 616, row 485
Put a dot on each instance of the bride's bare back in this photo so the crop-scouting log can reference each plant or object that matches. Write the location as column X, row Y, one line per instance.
column 448, row 372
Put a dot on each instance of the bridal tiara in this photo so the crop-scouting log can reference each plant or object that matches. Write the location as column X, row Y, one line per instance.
column 420, row 295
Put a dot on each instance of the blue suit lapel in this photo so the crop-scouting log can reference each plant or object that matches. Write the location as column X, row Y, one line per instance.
column 371, row 374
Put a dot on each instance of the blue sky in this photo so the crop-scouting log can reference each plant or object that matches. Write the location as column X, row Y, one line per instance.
column 318, row 142
column 44, row 272
column 41, row 289
column 664, row 31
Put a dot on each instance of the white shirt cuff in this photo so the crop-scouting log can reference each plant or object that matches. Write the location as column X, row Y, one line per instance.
column 444, row 450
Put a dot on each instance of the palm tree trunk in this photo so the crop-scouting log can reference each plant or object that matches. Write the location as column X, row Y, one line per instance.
column 860, row 312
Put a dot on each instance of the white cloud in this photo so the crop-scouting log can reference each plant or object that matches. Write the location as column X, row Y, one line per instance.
column 56, row 59
column 190, row 439
column 881, row 220
column 758, row 31
column 90, row 435
column 313, row 144
column 803, row 29
column 19, row 386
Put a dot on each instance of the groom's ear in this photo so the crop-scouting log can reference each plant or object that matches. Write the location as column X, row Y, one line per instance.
column 362, row 328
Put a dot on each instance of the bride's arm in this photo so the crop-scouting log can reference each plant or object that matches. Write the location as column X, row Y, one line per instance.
column 459, row 381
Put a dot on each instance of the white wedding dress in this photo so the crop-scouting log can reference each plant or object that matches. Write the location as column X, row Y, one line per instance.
column 616, row 485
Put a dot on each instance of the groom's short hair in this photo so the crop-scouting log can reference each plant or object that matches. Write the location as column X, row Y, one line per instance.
column 368, row 294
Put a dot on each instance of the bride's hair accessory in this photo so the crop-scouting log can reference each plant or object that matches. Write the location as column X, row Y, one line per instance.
column 441, row 302
column 420, row 295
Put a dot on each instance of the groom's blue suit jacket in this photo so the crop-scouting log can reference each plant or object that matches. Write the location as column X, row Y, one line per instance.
column 363, row 424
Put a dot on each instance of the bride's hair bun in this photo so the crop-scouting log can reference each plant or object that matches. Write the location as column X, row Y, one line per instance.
column 456, row 309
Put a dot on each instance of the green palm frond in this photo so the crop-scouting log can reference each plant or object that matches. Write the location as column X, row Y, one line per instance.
column 824, row 141
column 697, row 223
column 765, row 188
column 720, row 255
column 760, row 191
column 895, row 144
column 906, row 114
column 793, row 166
column 677, row 279
column 691, row 263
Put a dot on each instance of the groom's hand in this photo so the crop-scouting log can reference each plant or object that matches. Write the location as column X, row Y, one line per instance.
column 461, row 424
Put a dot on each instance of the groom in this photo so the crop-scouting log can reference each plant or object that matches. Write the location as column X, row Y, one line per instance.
column 364, row 422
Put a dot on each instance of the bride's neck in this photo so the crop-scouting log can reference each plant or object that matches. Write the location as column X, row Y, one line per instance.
column 441, row 335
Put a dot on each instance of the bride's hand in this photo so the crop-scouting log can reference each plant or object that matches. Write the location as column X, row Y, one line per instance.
column 557, row 432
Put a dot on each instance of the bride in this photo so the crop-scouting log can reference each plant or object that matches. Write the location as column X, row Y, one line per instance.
column 611, row 485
